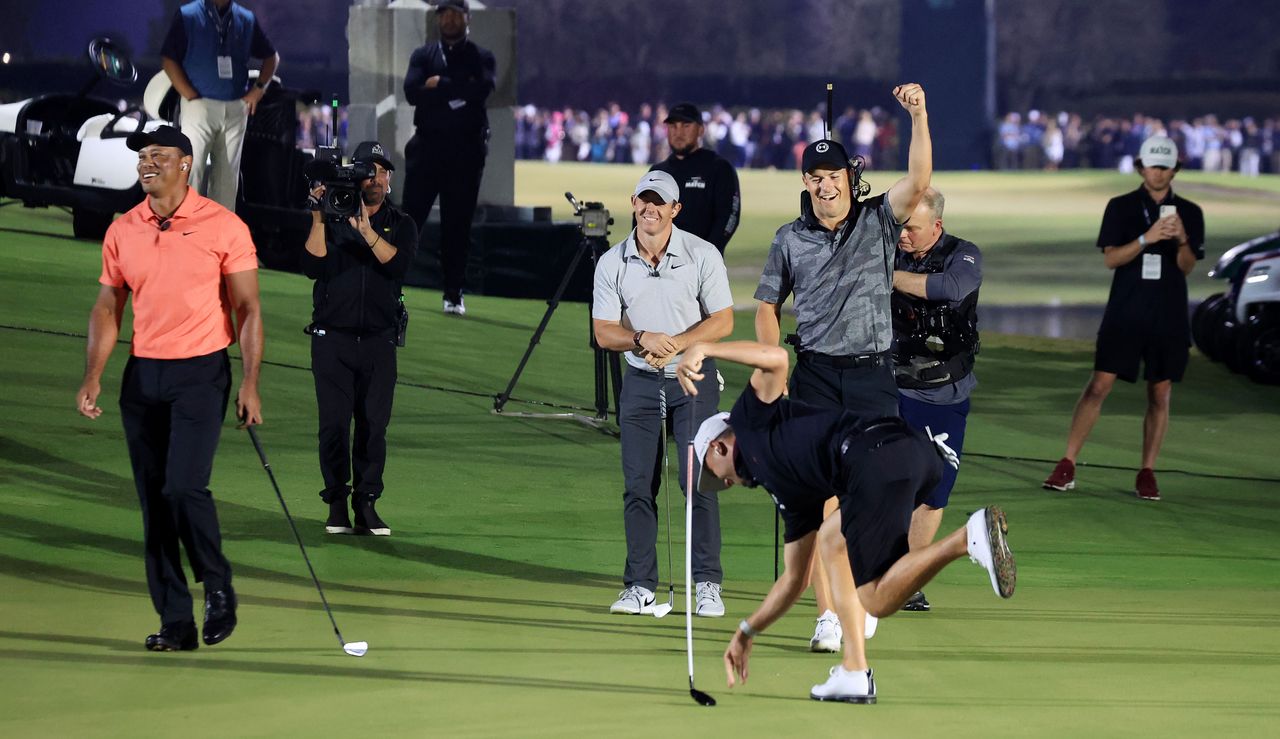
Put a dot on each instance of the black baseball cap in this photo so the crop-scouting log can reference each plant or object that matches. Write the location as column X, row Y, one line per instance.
column 826, row 153
column 372, row 151
column 683, row 113
column 162, row 136
column 462, row 6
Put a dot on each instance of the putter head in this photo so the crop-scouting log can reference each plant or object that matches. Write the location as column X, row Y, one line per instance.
column 702, row 698
column 356, row 648
column 661, row 610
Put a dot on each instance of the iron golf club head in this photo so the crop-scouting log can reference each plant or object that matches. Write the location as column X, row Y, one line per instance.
column 700, row 697
column 663, row 609
column 356, row 648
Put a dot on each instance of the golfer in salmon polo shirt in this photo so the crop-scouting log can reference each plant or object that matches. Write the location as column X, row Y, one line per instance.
column 189, row 265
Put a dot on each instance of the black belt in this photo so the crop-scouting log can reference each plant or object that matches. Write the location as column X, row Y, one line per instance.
column 355, row 333
column 848, row 361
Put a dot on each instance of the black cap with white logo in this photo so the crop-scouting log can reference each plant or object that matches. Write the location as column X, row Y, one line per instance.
column 826, row 154
column 162, row 136
column 371, row 151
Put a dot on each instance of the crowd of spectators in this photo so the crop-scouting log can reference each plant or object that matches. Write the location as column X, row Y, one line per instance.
column 760, row 139
column 1038, row 141
column 752, row 137
column 764, row 138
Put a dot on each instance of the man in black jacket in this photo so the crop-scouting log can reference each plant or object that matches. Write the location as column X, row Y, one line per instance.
column 710, row 200
column 447, row 83
column 358, row 267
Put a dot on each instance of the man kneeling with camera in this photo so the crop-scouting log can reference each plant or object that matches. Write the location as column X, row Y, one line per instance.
column 357, row 252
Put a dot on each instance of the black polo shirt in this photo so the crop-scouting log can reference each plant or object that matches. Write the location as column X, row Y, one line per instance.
column 792, row 449
column 1148, row 307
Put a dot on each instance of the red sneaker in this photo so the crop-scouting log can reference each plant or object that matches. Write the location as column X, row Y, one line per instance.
column 1063, row 477
column 1145, row 485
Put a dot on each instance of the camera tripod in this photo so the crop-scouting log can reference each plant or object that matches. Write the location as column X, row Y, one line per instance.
column 594, row 230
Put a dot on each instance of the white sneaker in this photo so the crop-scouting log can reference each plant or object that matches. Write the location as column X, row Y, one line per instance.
column 986, row 530
column 708, row 603
column 633, row 601
column 455, row 309
column 849, row 687
column 827, row 634
column 869, row 626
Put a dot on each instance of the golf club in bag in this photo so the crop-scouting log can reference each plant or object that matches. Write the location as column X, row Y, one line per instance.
column 355, row 648
column 691, row 489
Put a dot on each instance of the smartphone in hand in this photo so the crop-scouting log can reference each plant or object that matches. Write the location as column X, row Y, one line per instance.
column 1168, row 210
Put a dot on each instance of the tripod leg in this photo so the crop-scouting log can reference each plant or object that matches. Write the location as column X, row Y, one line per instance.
column 501, row 399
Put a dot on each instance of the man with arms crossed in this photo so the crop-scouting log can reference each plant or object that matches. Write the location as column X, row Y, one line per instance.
column 879, row 470
column 189, row 264
column 656, row 293
column 935, row 323
column 837, row 259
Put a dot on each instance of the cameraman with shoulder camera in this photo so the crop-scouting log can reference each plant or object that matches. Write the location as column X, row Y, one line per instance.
column 357, row 322
column 935, row 329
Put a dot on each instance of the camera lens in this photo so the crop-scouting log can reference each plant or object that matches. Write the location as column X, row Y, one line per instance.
column 342, row 200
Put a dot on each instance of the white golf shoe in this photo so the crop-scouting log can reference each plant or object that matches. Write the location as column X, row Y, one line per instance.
column 708, row 603
column 846, row 686
column 827, row 634
column 633, row 601
column 986, row 530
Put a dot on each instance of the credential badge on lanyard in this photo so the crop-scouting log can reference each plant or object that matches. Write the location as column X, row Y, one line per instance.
column 223, row 27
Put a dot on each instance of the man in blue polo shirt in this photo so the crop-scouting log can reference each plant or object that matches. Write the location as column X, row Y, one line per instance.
column 206, row 56
column 878, row 469
column 657, row 292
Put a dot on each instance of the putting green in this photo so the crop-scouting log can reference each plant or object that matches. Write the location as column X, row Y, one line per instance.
column 486, row 611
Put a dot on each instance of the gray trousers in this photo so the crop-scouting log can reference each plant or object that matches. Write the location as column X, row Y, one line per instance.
column 639, row 417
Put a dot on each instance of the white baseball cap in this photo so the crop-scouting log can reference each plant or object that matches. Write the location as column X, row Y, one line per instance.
column 661, row 183
column 708, row 432
column 1159, row 151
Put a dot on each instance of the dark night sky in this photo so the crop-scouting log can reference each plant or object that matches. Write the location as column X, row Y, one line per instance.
column 80, row 20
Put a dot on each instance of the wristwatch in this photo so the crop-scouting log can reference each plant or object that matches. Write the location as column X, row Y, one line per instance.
column 636, row 338
column 1142, row 240
column 262, row 85
column 746, row 629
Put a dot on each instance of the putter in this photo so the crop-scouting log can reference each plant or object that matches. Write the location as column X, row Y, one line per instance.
column 355, row 648
column 691, row 489
column 663, row 609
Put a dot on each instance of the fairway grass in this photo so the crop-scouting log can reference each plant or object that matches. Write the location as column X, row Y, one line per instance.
column 486, row 611
column 1037, row 230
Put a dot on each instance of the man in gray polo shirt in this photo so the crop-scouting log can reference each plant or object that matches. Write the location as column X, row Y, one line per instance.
column 657, row 292
column 837, row 260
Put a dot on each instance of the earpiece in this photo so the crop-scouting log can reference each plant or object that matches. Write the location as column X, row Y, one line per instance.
column 184, row 168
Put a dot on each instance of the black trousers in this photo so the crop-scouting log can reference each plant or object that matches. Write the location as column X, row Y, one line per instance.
column 355, row 377
column 451, row 170
column 172, row 411
column 868, row 392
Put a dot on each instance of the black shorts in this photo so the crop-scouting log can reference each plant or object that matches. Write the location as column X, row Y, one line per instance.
column 889, row 470
column 1163, row 357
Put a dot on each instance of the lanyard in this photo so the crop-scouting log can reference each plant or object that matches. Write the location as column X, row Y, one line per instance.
column 222, row 24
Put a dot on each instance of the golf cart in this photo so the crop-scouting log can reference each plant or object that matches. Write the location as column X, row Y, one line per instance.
column 1241, row 327
column 69, row 149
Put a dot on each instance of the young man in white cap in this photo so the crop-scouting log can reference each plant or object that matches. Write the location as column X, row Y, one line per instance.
column 879, row 469
column 1151, row 239
column 658, row 291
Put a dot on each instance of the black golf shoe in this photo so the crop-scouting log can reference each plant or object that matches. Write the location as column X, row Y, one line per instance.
column 916, row 603
column 339, row 521
column 368, row 521
column 219, row 615
column 174, row 638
